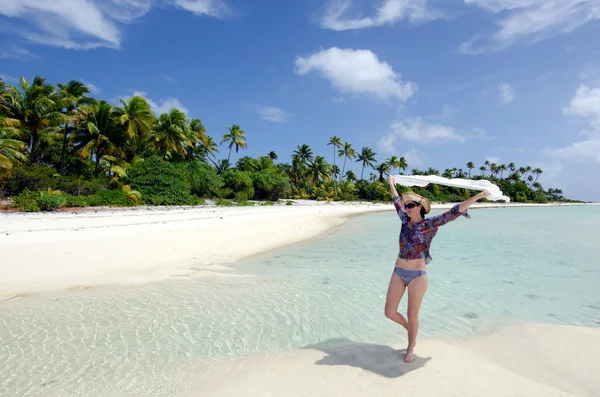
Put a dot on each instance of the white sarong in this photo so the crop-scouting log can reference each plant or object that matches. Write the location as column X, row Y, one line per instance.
column 424, row 180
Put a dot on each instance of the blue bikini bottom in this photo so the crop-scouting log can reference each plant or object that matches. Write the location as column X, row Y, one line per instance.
column 408, row 275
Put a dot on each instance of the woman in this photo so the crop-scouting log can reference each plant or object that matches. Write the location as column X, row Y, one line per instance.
column 415, row 239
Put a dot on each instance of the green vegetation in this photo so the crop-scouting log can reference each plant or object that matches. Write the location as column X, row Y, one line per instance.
column 61, row 148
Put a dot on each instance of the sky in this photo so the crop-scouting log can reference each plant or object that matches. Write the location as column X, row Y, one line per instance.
column 440, row 82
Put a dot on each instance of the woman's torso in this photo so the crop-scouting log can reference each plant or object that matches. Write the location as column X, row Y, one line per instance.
column 411, row 264
column 414, row 244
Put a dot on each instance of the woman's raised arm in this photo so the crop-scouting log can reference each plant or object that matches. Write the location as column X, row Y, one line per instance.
column 467, row 203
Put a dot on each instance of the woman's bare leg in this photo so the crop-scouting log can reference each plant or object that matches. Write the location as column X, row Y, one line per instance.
column 416, row 291
column 394, row 295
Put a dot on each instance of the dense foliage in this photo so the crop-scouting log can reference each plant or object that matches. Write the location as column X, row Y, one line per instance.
column 61, row 148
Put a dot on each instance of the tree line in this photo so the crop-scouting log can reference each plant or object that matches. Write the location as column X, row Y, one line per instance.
column 61, row 147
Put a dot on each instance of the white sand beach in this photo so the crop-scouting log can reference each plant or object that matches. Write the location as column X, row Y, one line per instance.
column 62, row 250
column 77, row 249
column 520, row 360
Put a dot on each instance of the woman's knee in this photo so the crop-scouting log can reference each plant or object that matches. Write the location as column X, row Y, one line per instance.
column 390, row 312
column 413, row 315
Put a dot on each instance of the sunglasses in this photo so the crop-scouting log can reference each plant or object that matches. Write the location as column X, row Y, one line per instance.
column 411, row 205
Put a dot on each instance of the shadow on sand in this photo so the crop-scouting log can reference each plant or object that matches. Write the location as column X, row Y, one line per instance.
column 380, row 359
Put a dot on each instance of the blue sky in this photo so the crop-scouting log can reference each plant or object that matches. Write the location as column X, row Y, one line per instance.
column 440, row 82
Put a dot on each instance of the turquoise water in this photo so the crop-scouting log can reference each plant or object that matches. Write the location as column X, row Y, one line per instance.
column 503, row 265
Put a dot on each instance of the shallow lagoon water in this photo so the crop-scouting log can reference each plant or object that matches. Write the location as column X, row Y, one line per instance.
column 503, row 265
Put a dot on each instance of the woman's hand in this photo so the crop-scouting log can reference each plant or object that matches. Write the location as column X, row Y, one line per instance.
column 483, row 194
column 390, row 180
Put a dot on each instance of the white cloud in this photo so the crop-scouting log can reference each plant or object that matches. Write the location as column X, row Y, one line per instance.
column 387, row 13
column 86, row 24
column 414, row 158
column 479, row 133
column 164, row 105
column 448, row 111
column 507, row 92
column 169, row 78
column 8, row 79
column 530, row 21
column 416, row 130
column 358, row 72
column 125, row 10
column 271, row 113
column 585, row 105
column 583, row 151
column 93, row 88
column 212, row 8
column 18, row 53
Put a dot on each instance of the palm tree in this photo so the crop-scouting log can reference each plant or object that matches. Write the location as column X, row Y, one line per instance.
column 350, row 176
column 138, row 119
column 432, row 171
column 366, row 157
column 207, row 150
column 448, row 173
column 402, row 164
column 71, row 96
column 32, row 109
column 100, row 134
column 461, row 173
column 336, row 142
column 172, row 134
column 335, row 172
column 236, row 137
column 494, row 169
column 262, row 163
column 382, row 168
column 470, row 166
column 297, row 168
column 512, row 167
column 483, row 169
column 222, row 166
column 348, row 152
column 197, row 134
column 304, row 153
column 537, row 172
column 393, row 162
column 319, row 169
column 11, row 151
column 502, row 168
column 272, row 155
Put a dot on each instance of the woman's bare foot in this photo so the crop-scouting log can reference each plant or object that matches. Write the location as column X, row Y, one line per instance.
column 409, row 357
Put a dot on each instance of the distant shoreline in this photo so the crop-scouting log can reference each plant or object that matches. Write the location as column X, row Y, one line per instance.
column 4, row 206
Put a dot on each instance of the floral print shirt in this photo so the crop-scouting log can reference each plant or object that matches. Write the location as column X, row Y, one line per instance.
column 415, row 241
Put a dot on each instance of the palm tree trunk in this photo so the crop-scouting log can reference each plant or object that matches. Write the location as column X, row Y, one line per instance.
column 64, row 150
column 230, row 147
column 343, row 169
column 363, row 171
column 97, row 163
column 334, row 185
column 32, row 152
